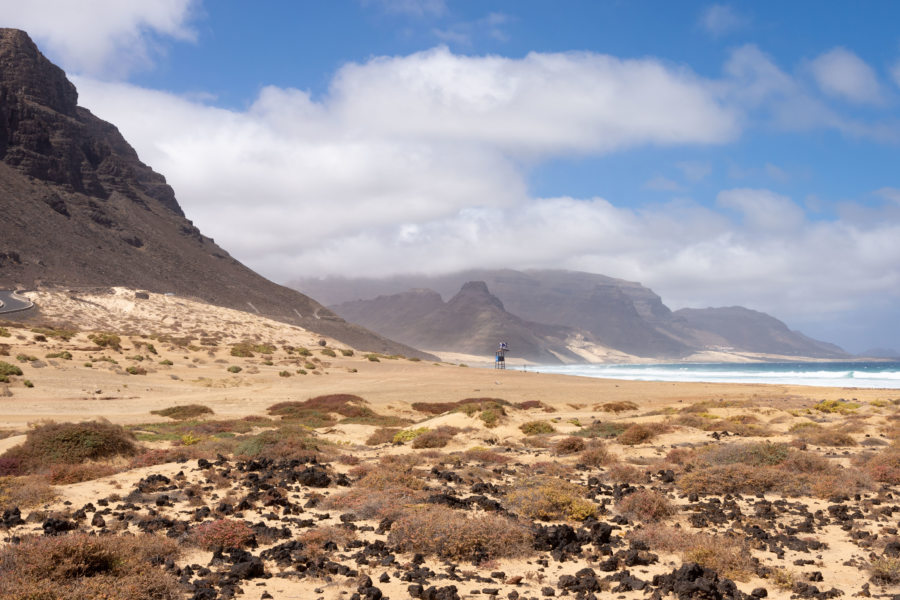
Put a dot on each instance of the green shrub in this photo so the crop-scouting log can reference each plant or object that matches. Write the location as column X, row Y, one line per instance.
column 645, row 505
column 71, row 443
column 62, row 355
column 408, row 435
column 166, row 362
column 7, row 369
column 303, row 352
column 284, row 373
column 27, row 383
column 536, row 427
column 843, row 407
column 135, row 370
column 328, row 352
column 373, row 358
column 435, row 438
column 602, row 430
column 234, row 369
column 4, row 332
column 26, row 358
column 106, row 340
column 346, row 352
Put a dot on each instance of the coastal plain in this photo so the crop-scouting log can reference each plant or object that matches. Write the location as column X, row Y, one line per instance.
column 299, row 467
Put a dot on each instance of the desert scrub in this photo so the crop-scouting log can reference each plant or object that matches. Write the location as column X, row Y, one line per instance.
column 382, row 435
column 883, row 466
column 234, row 369
column 284, row 373
column 22, row 492
column 548, row 498
column 568, row 445
column 640, row 433
column 135, row 370
column 63, row 355
column 4, row 332
column 408, row 435
column 284, row 442
column 71, row 443
column 843, row 407
column 449, row 534
column 435, row 438
column 53, row 332
column 249, row 349
column 316, row 541
column 106, row 340
column 646, row 505
column 79, row 566
column 346, row 352
column 886, row 570
column 617, row 407
column 185, row 411
column 536, row 427
column 7, row 370
column 328, row 352
column 728, row 556
column 166, row 362
column 223, row 533
column 26, row 358
column 602, row 430
column 595, row 455
column 373, row 358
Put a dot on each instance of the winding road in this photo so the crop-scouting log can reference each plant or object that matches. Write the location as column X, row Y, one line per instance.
column 10, row 302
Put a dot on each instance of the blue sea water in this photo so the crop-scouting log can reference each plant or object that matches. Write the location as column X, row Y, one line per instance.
column 882, row 375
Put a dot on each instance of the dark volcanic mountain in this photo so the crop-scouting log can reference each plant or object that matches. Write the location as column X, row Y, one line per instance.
column 473, row 321
column 613, row 313
column 80, row 209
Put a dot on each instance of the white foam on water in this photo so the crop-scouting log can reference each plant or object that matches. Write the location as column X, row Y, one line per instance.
column 864, row 375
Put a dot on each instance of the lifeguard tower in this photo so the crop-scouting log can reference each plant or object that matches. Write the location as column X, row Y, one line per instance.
column 500, row 356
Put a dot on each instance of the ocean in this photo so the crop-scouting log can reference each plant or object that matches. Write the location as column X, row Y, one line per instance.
column 881, row 375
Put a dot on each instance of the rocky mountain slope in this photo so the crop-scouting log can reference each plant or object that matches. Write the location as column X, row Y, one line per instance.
column 81, row 210
column 612, row 313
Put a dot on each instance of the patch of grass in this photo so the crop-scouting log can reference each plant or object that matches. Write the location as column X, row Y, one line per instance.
column 25, row 491
column 617, row 407
column 536, row 427
column 65, row 355
column 346, row 352
column 284, row 373
column 328, row 352
column 373, row 358
column 284, row 442
column 136, row 370
column 728, row 556
column 53, row 332
column 547, row 498
column 28, row 383
column 166, row 362
column 646, row 505
column 453, row 535
column 234, row 369
column 223, row 533
column 79, row 566
column 249, row 349
column 4, row 332
column 26, row 358
column 184, row 411
column 320, row 410
column 7, row 370
column 886, row 570
column 65, row 474
column 384, row 435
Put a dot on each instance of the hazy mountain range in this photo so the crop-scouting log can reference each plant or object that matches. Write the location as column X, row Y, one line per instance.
column 545, row 315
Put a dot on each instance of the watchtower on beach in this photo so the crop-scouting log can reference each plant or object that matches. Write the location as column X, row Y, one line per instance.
column 500, row 356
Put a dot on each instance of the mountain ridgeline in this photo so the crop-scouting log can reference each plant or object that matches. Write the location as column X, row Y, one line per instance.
column 541, row 313
column 81, row 210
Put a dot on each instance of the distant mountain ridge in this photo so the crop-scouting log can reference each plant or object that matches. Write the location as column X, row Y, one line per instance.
column 79, row 208
column 612, row 313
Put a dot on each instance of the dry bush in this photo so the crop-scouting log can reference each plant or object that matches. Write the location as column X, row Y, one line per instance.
column 595, row 455
column 185, row 411
column 70, row 443
column 24, row 492
column 727, row 556
column 286, row 442
column 435, row 438
column 646, row 505
column 536, row 428
column 489, row 410
column 883, row 466
column 568, row 445
column 820, row 436
column 621, row 472
column 223, row 533
column 602, row 430
column 454, row 535
column 639, row 433
column 79, row 566
column 485, row 455
column 886, row 570
column 532, row 404
column 547, row 498
column 616, row 407
column 381, row 492
column 383, row 435
column 316, row 541
column 64, row 474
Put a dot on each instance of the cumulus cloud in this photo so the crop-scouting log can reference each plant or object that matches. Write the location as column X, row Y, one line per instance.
column 843, row 74
column 101, row 37
column 721, row 19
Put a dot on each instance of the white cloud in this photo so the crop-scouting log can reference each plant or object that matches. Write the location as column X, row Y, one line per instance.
column 895, row 73
column 101, row 37
column 843, row 74
column 889, row 193
column 415, row 8
column 763, row 210
column 721, row 19
column 466, row 32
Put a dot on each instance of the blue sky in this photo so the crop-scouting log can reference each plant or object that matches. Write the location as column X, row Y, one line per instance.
column 721, row 154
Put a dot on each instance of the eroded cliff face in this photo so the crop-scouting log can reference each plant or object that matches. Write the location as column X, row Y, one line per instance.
column 79, row 208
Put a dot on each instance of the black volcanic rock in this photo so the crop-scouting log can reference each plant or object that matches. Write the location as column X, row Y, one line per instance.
column 81, row 210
